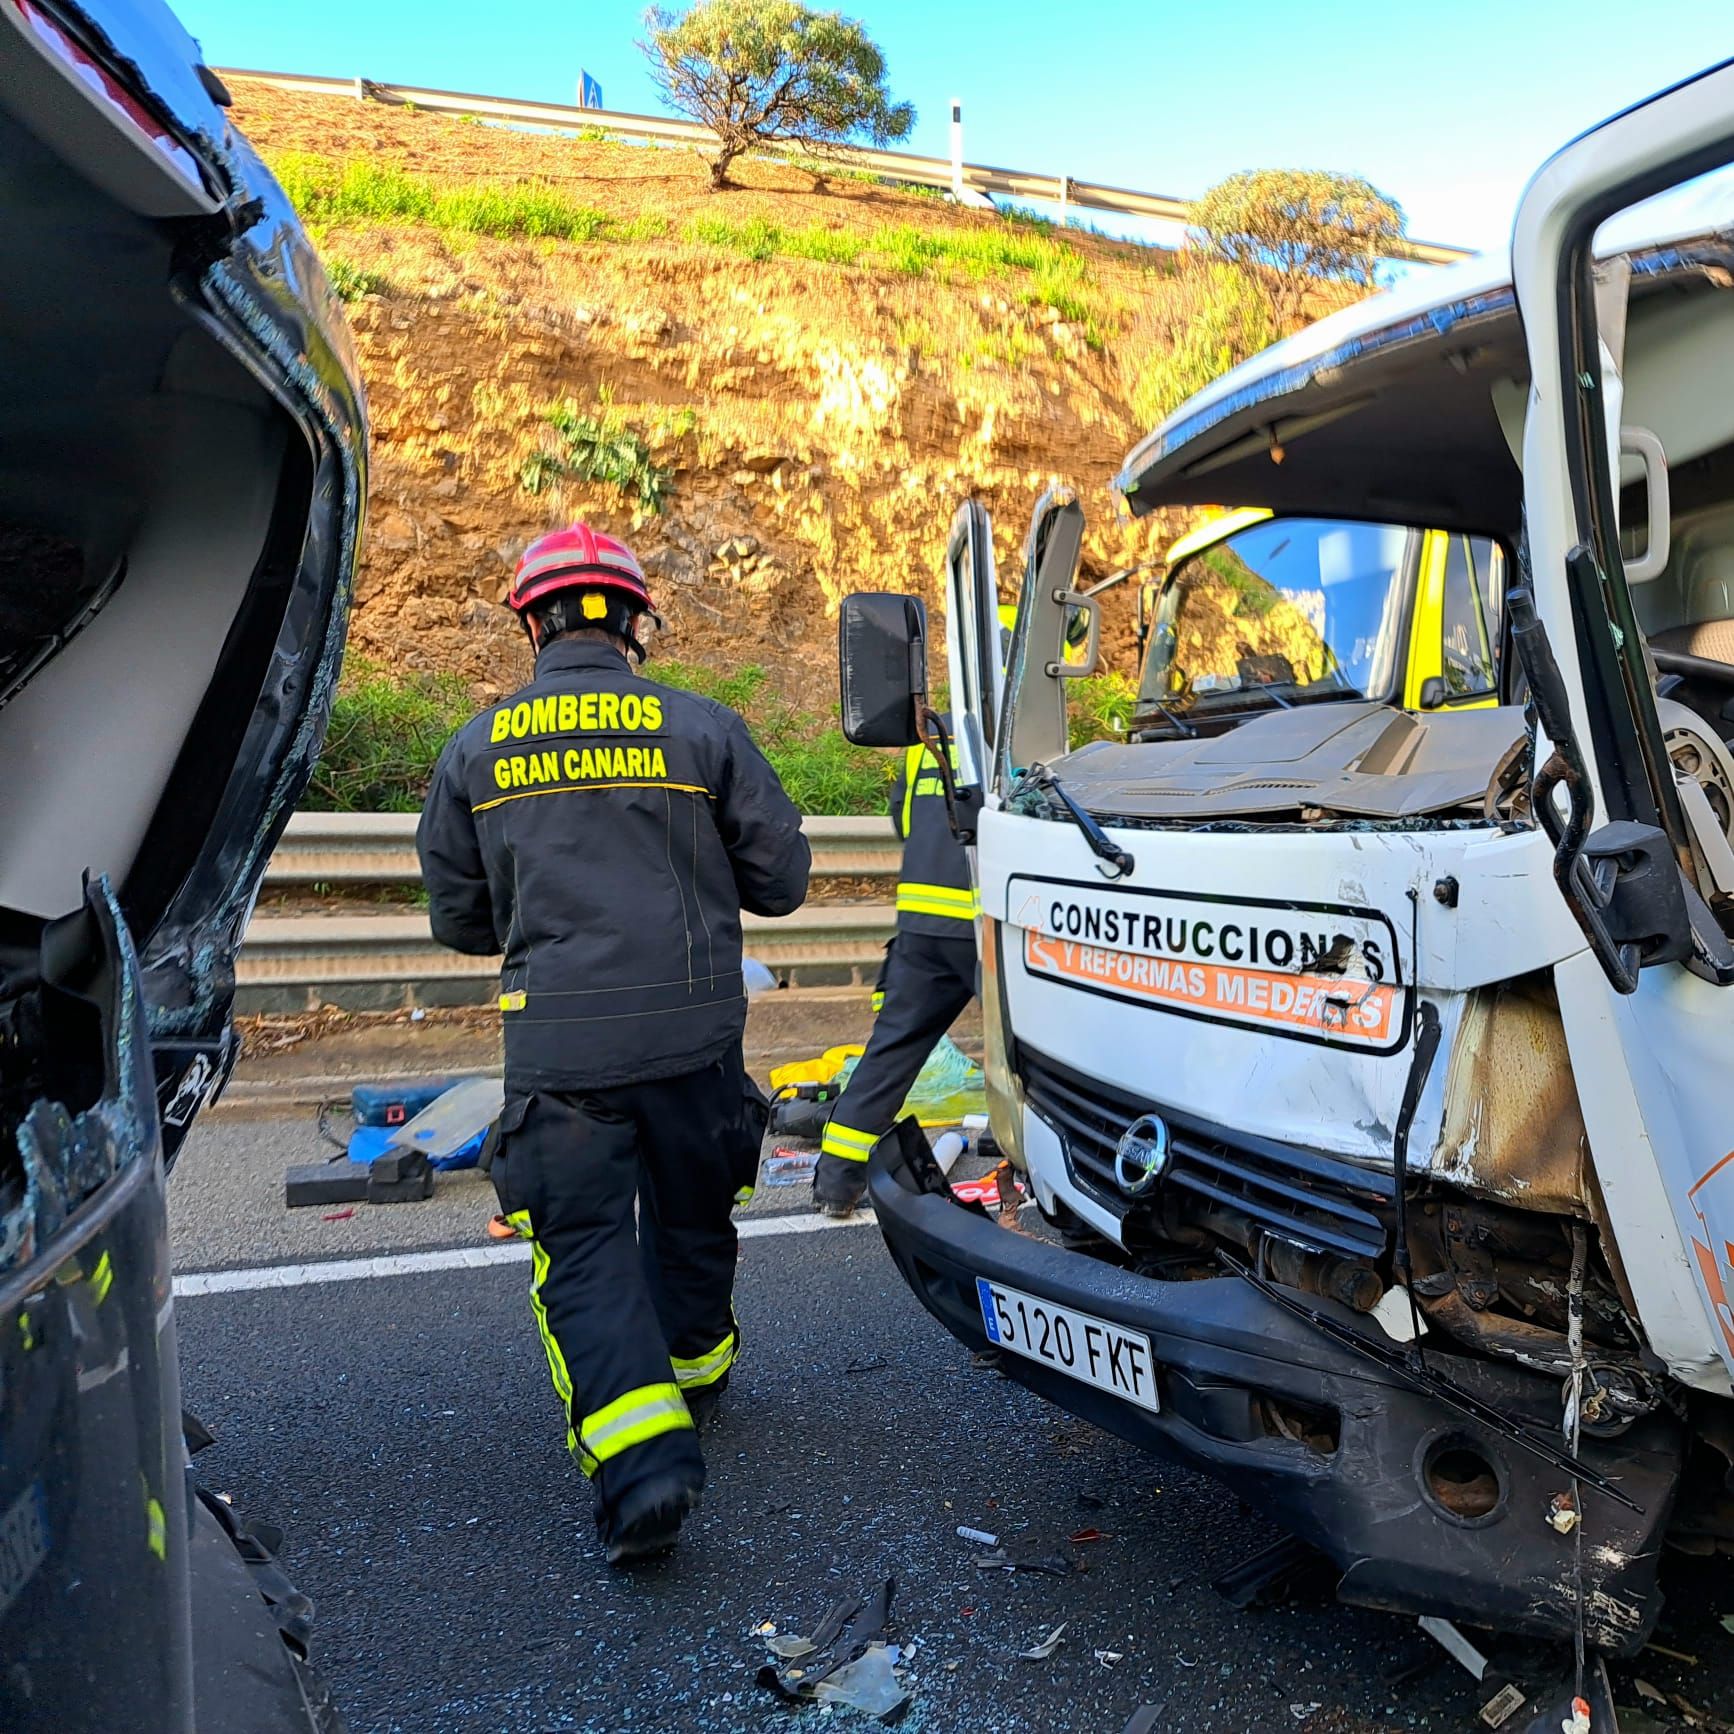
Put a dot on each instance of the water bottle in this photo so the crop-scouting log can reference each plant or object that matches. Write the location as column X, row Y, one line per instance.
column 947, row 1148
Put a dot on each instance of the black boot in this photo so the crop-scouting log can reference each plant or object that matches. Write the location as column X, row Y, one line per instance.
column 705, row 1401
column 648, row 1519
column 839, row 1185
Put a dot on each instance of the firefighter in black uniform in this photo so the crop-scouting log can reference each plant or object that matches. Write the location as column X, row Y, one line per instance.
column 929, row 977
column 604, row 833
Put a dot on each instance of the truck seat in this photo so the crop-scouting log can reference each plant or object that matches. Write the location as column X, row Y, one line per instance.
column 1711, row 639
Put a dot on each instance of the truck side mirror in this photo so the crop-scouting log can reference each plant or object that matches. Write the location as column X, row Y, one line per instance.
column 1432, row 692
column 882, row 658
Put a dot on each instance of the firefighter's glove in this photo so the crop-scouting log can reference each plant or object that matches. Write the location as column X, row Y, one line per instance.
column 839, row 1185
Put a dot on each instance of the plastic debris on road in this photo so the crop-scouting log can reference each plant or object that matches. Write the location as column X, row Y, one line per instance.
column 455, row 1120
column 949, row 1089
column 979, row 1536
column 1020, row 1555
column 868, row 1684
column 984, row 1191
column 857, row 1671
column 1042, row 1651
column 788, row 1167
column 947, row 1148
column 1110, row 1658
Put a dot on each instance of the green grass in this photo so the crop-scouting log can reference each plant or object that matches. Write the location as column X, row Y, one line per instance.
column 756, row 238
column 326, row 191
column 1010, row 347
column 385, row 735
column 365, row 192
column 828, row 246
column 832, row 169
column 819, row 768
column 1060, row 275
column 1228, row 319
column 646, row 226
column 350, row 281
column 387, row 730
column 1100, row 707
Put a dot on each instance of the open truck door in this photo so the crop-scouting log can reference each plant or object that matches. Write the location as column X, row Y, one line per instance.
column 1640, row 856
column 973, row 659
column 1042, row 657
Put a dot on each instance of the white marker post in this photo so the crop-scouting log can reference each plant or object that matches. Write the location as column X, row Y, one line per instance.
column 957, row 150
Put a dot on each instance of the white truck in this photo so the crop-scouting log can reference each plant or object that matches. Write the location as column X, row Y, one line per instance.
column 1382, row 1036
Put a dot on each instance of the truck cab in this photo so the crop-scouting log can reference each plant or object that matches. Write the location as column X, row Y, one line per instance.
column 1370, row 999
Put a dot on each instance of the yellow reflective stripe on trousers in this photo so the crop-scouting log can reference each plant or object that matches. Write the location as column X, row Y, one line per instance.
column 631, row 1419
column 846, row 1142
column 557, row 1370
column 706, row 1369
column 960, row 902
column 879, row 1001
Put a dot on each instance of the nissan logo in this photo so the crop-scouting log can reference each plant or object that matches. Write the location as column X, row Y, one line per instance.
column 1141, row 1156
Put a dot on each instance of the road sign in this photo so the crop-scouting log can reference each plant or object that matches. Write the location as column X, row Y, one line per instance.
column 589, row 91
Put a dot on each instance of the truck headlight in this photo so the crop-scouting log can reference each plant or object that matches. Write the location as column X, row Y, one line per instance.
column 1005, row 1097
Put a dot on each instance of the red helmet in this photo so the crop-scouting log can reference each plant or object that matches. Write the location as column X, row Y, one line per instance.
column 577, row 559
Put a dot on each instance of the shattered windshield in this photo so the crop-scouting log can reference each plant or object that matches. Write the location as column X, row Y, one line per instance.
column 1285, row 611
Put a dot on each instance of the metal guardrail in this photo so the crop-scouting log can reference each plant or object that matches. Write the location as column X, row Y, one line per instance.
column 374, row 962
column 348, row 849
column 895, row 165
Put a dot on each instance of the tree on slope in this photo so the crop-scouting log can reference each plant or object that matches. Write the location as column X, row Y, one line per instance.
column 1296, row 228
column 760, row 72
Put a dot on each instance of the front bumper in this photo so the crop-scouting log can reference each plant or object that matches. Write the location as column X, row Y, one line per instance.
column 1235, row 1372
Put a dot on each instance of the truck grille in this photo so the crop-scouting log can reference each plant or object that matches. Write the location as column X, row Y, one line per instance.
column 1316, row 1201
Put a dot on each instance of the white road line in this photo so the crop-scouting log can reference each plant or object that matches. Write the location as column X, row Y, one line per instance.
column 200, row 1282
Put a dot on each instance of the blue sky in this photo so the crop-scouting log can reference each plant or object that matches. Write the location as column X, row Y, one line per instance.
column 1446, row 107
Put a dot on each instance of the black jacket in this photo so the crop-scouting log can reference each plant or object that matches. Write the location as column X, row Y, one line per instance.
column 934, row 893
column 604, row 833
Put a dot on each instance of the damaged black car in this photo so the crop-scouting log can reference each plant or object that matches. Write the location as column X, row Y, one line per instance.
column 182, row 477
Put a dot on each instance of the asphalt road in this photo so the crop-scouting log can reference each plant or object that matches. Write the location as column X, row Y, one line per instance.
column 402, row 1432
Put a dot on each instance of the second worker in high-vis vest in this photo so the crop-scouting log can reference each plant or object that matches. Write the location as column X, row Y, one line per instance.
column 929, row 977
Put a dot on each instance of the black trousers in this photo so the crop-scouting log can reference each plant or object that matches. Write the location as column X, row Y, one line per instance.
column 633, row 1305
column 927, row 981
